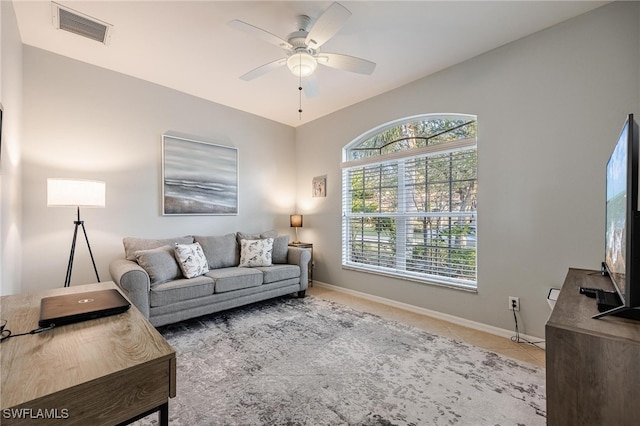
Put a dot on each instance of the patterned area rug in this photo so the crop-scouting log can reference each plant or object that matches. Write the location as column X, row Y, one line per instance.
column 307, row 361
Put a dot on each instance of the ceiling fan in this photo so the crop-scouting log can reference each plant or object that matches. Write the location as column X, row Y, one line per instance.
column 302, row 47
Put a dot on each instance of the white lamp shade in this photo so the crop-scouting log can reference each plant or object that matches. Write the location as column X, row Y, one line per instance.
column 75, row 192
column 302, row 64
column 295, row 220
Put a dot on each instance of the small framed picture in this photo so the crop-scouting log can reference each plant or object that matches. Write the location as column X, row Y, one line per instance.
column 319, row 186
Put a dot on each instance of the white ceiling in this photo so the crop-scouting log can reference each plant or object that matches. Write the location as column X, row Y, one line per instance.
column 189, row 46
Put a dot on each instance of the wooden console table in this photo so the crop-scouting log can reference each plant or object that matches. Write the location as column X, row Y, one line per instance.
column 591, row 364
column 105, row 371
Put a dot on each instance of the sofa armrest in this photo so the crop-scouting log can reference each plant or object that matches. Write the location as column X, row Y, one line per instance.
column 301, row 257
column 134, row 280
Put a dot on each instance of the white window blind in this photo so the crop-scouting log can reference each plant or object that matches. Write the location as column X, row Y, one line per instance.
column 412, row 214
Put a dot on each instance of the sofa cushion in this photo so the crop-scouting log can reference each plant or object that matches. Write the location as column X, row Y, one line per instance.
column 159, row 264
column 234, row 278
column 262, row 235
column 179, row 290
column 132, row 245
column 220, row 251
column 191, row 260
column 255, row 252
column 280, row 249
column 275, row 273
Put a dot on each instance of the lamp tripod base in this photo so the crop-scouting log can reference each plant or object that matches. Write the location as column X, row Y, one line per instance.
column 78, row 223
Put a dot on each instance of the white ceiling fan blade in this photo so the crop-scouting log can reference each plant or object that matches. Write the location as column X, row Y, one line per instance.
column 310, row 86
column 263, row 70
column 260, row 33
column 327, row 25
column 346, row 63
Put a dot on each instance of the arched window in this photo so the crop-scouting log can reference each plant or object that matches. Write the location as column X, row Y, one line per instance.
column 409, row 200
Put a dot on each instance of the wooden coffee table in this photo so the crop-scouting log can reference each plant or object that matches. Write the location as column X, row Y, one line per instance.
column 105, row 371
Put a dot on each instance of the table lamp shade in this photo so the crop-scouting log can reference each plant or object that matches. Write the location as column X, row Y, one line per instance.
column 75, row 193
column 296, row 220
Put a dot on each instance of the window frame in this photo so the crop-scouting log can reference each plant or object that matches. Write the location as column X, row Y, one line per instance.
column 401, row 215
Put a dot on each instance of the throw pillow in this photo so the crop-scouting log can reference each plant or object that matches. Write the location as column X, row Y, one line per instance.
column 280, row 243
column 159, row 264
column 256, row 252
column 132, row 245
column 191, row 260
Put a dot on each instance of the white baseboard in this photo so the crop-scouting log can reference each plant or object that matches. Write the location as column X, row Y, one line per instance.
column 434, row 314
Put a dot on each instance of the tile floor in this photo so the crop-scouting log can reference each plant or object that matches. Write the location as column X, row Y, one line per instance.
column 501, row 345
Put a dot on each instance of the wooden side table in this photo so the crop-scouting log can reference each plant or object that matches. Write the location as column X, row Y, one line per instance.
column 105, row 371
column 310, row 247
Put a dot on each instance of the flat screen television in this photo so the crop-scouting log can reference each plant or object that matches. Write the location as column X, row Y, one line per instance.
column 622, row 233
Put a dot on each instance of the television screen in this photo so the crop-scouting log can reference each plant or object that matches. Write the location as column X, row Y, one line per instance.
column 616, row 212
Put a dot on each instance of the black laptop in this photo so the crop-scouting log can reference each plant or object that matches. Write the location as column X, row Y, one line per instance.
column 70, row 308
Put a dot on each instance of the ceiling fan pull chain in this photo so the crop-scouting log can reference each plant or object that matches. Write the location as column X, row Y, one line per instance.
column 300, row 92
column 300, row 107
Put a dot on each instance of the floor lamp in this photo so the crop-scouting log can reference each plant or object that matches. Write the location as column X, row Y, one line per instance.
column 76, row 193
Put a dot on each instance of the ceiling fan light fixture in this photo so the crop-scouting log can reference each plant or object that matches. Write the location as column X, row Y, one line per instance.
column 302, row 64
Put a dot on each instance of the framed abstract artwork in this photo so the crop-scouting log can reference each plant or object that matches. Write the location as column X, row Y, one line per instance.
column 198, row 178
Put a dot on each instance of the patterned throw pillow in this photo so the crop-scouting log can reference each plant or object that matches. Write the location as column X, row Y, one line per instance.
column 256, row 252
column 191, row 259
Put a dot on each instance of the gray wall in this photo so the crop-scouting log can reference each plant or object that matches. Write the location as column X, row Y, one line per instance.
column 10, row 182
column 549, row 107
column 81, row 121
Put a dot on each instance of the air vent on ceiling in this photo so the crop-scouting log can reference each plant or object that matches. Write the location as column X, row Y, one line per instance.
column 80, row 24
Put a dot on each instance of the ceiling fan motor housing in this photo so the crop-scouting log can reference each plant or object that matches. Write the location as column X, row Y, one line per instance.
column 298, row 40
column 304, row 23
column 301, row 60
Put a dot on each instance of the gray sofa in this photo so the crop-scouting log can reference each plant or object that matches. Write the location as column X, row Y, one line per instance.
column 153, row 279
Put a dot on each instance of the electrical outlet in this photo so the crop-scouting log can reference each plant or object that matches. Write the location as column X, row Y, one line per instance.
column 514, row 303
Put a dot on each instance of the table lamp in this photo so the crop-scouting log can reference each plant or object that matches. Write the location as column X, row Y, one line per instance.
column 295, row 221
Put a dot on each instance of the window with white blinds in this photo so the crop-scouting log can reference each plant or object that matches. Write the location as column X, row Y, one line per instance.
column 409, row 196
